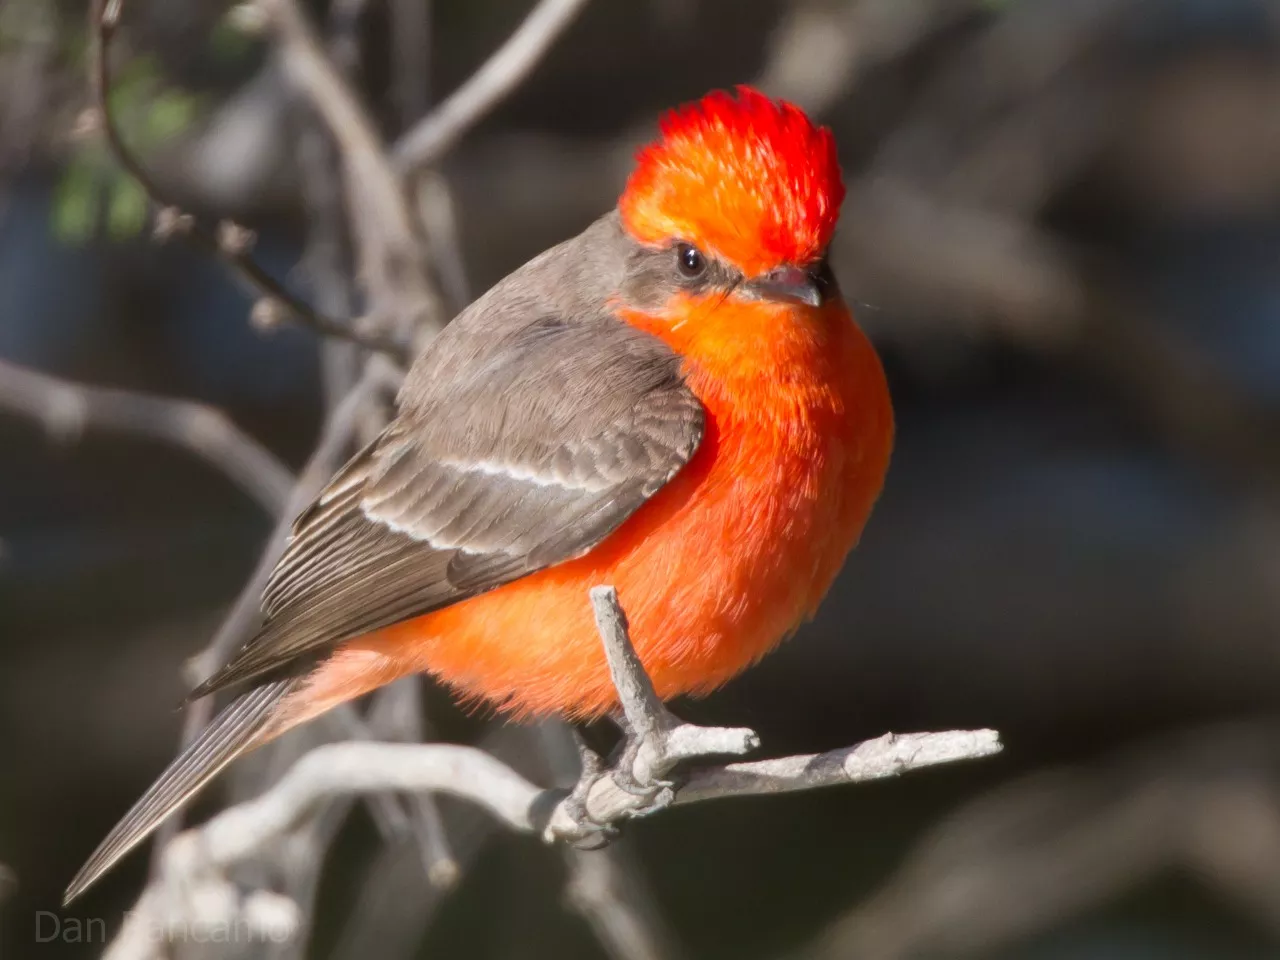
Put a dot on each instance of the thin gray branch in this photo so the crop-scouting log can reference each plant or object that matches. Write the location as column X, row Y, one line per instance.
column 890, row 755
column 887, row 756
column 390, row 250
column 194, row 864
column 433, row 136
column 200, row 856
column 342, row 769
column 354, row 767
column 66, row 409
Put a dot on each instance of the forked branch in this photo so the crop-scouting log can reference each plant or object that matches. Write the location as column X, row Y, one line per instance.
column 506, row 69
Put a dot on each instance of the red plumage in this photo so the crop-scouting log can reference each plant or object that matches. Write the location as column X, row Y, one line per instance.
column 752, row 178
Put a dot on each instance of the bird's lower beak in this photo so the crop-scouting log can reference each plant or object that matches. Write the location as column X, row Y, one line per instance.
column 787, row 285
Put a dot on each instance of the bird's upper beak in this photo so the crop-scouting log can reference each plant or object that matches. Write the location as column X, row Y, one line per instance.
column 786, row 285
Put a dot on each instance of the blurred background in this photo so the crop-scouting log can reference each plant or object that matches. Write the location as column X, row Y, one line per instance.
column 1063, row 233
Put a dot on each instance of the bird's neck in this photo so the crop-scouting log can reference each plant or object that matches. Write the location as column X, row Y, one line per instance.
column 771, row 362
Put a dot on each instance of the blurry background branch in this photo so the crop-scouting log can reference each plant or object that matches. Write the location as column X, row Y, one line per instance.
column 66, row 410
column 1061, row 841
column 433, row 136
column 390, row 254
column 226, row 240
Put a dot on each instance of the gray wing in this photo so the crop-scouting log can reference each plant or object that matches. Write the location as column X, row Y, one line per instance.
column 506, row 458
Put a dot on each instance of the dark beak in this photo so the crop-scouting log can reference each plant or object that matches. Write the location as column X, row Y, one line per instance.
column 787, row 285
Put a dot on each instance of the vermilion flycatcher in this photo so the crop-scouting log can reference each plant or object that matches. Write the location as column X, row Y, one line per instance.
column 675, row 402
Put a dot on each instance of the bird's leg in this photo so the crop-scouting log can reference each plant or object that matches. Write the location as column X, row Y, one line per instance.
column 638, row 782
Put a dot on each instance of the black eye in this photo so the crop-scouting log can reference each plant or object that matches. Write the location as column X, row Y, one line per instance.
column 690, row 261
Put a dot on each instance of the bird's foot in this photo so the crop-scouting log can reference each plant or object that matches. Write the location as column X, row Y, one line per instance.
column 589, row 833
column 656, row 792
column 643, row 778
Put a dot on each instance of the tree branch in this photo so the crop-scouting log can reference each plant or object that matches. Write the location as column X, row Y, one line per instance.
column 664, row 742
column 193, row 865
column 391, row 253
column 342, row 769
column 66, row 409
column 227, row 241
column 433, row 136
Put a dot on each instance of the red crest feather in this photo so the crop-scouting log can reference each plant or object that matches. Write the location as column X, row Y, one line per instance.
column 743, row 177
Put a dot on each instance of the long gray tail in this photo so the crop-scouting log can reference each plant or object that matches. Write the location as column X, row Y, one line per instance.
column 236, row 729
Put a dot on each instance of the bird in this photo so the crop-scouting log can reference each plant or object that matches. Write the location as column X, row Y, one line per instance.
column 676, row 402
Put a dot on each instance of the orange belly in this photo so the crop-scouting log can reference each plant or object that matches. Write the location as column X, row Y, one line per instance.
column 713, row 572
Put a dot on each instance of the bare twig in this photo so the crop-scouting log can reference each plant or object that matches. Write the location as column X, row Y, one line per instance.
column 470, row 774
column 890, row 755
column 344, row 769
column 194, row 862
column 390, row 250
column 226, row 240
column 433, row 136
column 66, row 409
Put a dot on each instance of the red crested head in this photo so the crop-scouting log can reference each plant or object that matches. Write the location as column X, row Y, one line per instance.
column 745, row 178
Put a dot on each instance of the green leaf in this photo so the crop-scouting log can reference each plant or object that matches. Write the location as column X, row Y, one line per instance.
column 229, row 42
column 171, row 112
column 148, row 114
column 76, row 203
column 127, row 211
